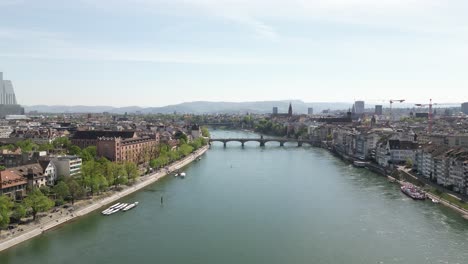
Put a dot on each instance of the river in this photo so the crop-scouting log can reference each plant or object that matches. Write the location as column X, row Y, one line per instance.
column 260, row 205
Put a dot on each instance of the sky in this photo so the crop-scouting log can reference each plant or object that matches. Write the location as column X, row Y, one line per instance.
column 156, row 52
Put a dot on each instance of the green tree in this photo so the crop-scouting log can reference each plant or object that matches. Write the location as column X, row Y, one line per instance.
column 205, row 132
column 185, row 150
column 74, row 150
column 61, row 190
column 89, row 153
column 19, row 211
column 132, row 170
column 27, row 145
column 61, row 142
column 76, row 190
column 5, row 210
column 37, row 202
column 46, row 147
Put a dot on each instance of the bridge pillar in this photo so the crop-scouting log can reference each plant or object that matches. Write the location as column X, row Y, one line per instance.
column 242, row 143
column 224, row 143
column 299, row 144
column 281, row 144
column 262, row 143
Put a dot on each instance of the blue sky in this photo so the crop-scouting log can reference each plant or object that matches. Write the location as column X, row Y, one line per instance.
column 154, row 53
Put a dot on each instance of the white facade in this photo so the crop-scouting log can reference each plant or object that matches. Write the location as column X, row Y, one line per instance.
column 7, row 94
column 5, row 131
column 68, row 166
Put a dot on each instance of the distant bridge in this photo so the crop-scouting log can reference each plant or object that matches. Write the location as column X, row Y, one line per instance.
column 262, row 141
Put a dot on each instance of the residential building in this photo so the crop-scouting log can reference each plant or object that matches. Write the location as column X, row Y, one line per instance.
column 88, row 138
column 378, row 110
column 12, row 184
column 33, row 173
column 136, row 149
column 67, row 166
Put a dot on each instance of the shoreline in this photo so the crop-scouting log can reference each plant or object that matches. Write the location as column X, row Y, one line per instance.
column 86, row 209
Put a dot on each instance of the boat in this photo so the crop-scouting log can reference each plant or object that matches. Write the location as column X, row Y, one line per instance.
column 199, row 158
column 413, row 192
column 130, row 206
column 110, row 208
column 182, row 175
column 434, row 200
column 116, row 209
column 176, row 174
column 359, row 164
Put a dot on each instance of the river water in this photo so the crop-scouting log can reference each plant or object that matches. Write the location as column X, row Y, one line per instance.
column 261, row 205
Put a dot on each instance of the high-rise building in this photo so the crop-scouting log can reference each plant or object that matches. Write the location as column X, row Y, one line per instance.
column 310, row 111
column 378, row 110
column 290, row 112
column 464, row 108
column 275, row 110
column 8, row 104
column 359, row 107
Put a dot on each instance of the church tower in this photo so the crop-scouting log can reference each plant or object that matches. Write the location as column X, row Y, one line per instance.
column 290, row 110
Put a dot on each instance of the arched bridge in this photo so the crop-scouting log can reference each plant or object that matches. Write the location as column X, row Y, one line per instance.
column 263, row 141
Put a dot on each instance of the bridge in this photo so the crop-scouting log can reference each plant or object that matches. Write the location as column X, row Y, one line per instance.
column 262, row 141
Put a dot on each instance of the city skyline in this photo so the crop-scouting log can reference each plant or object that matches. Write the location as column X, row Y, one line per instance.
column 157, row 53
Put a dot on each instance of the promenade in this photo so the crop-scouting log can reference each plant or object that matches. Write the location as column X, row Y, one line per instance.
column 62, row 216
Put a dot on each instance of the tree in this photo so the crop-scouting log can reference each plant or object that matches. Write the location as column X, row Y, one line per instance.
column 46, row 147
column 37, row 202
column 89, row 153
column 205, row 132
column 2, row 168
column 185, row 149
column 5, row 209
column 19, row 211
column 27, row 145
column 132, row 170
column 61, row 142
column 76, row 190
column 61, row 190
column 74, row 150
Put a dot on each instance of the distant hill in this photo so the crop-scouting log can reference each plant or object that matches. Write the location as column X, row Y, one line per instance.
column 199, row 107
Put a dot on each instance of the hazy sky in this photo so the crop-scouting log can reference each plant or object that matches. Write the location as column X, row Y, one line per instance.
column 155, row 52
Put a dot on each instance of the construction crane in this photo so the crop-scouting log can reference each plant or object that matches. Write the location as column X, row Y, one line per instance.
column 429, row 129
column 391, row 103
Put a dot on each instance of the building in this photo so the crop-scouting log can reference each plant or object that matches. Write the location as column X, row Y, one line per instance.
column 137, row 149
column 8, row 104
column 88, row 138
column 5, row 131
column 359, row 107
column 378, row 110
column 33, row 173
column 310, row 111
column 275, row 110
column 464, row 108
column 67, row 166
column 12, row 184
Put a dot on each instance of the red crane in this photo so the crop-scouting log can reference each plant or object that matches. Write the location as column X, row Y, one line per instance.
column 429, row 129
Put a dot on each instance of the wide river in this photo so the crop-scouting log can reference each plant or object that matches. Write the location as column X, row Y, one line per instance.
column 260, row 205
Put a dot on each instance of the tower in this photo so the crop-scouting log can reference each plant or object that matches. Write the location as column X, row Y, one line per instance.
column 290, row 110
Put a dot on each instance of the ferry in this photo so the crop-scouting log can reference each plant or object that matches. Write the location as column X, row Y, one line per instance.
column 130, row 206
column 413, row 192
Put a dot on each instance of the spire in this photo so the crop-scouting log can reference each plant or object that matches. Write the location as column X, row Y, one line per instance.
column 290, row 110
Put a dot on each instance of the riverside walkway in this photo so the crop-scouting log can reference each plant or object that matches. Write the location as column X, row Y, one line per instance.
column 53, row 222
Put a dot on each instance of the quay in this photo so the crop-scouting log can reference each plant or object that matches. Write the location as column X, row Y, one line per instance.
column 144, row 181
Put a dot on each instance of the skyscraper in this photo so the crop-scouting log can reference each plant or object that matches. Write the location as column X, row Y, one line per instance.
column 464, row 108
column 8, row 104
column 359, row 107
column 310, row 111
column 378, row 110
column 275, row 110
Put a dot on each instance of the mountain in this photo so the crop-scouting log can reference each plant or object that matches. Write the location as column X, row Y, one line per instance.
column 199, row 107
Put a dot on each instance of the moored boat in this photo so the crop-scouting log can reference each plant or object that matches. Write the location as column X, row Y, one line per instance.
column 130, row 206
column 182, row 175
column 413, row 192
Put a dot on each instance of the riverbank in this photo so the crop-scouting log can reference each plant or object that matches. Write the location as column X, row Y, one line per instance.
column 63, row 216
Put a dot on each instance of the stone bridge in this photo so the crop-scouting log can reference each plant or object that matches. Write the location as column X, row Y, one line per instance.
column 262, row 141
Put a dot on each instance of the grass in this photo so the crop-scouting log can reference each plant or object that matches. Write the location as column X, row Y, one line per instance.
column 449, row 198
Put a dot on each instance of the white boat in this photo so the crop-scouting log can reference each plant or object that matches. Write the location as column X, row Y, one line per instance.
column 176, row 174
column 117, row 208
column 130, row 206
column 435, row 201
column 110, row 208
column 182, row 175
